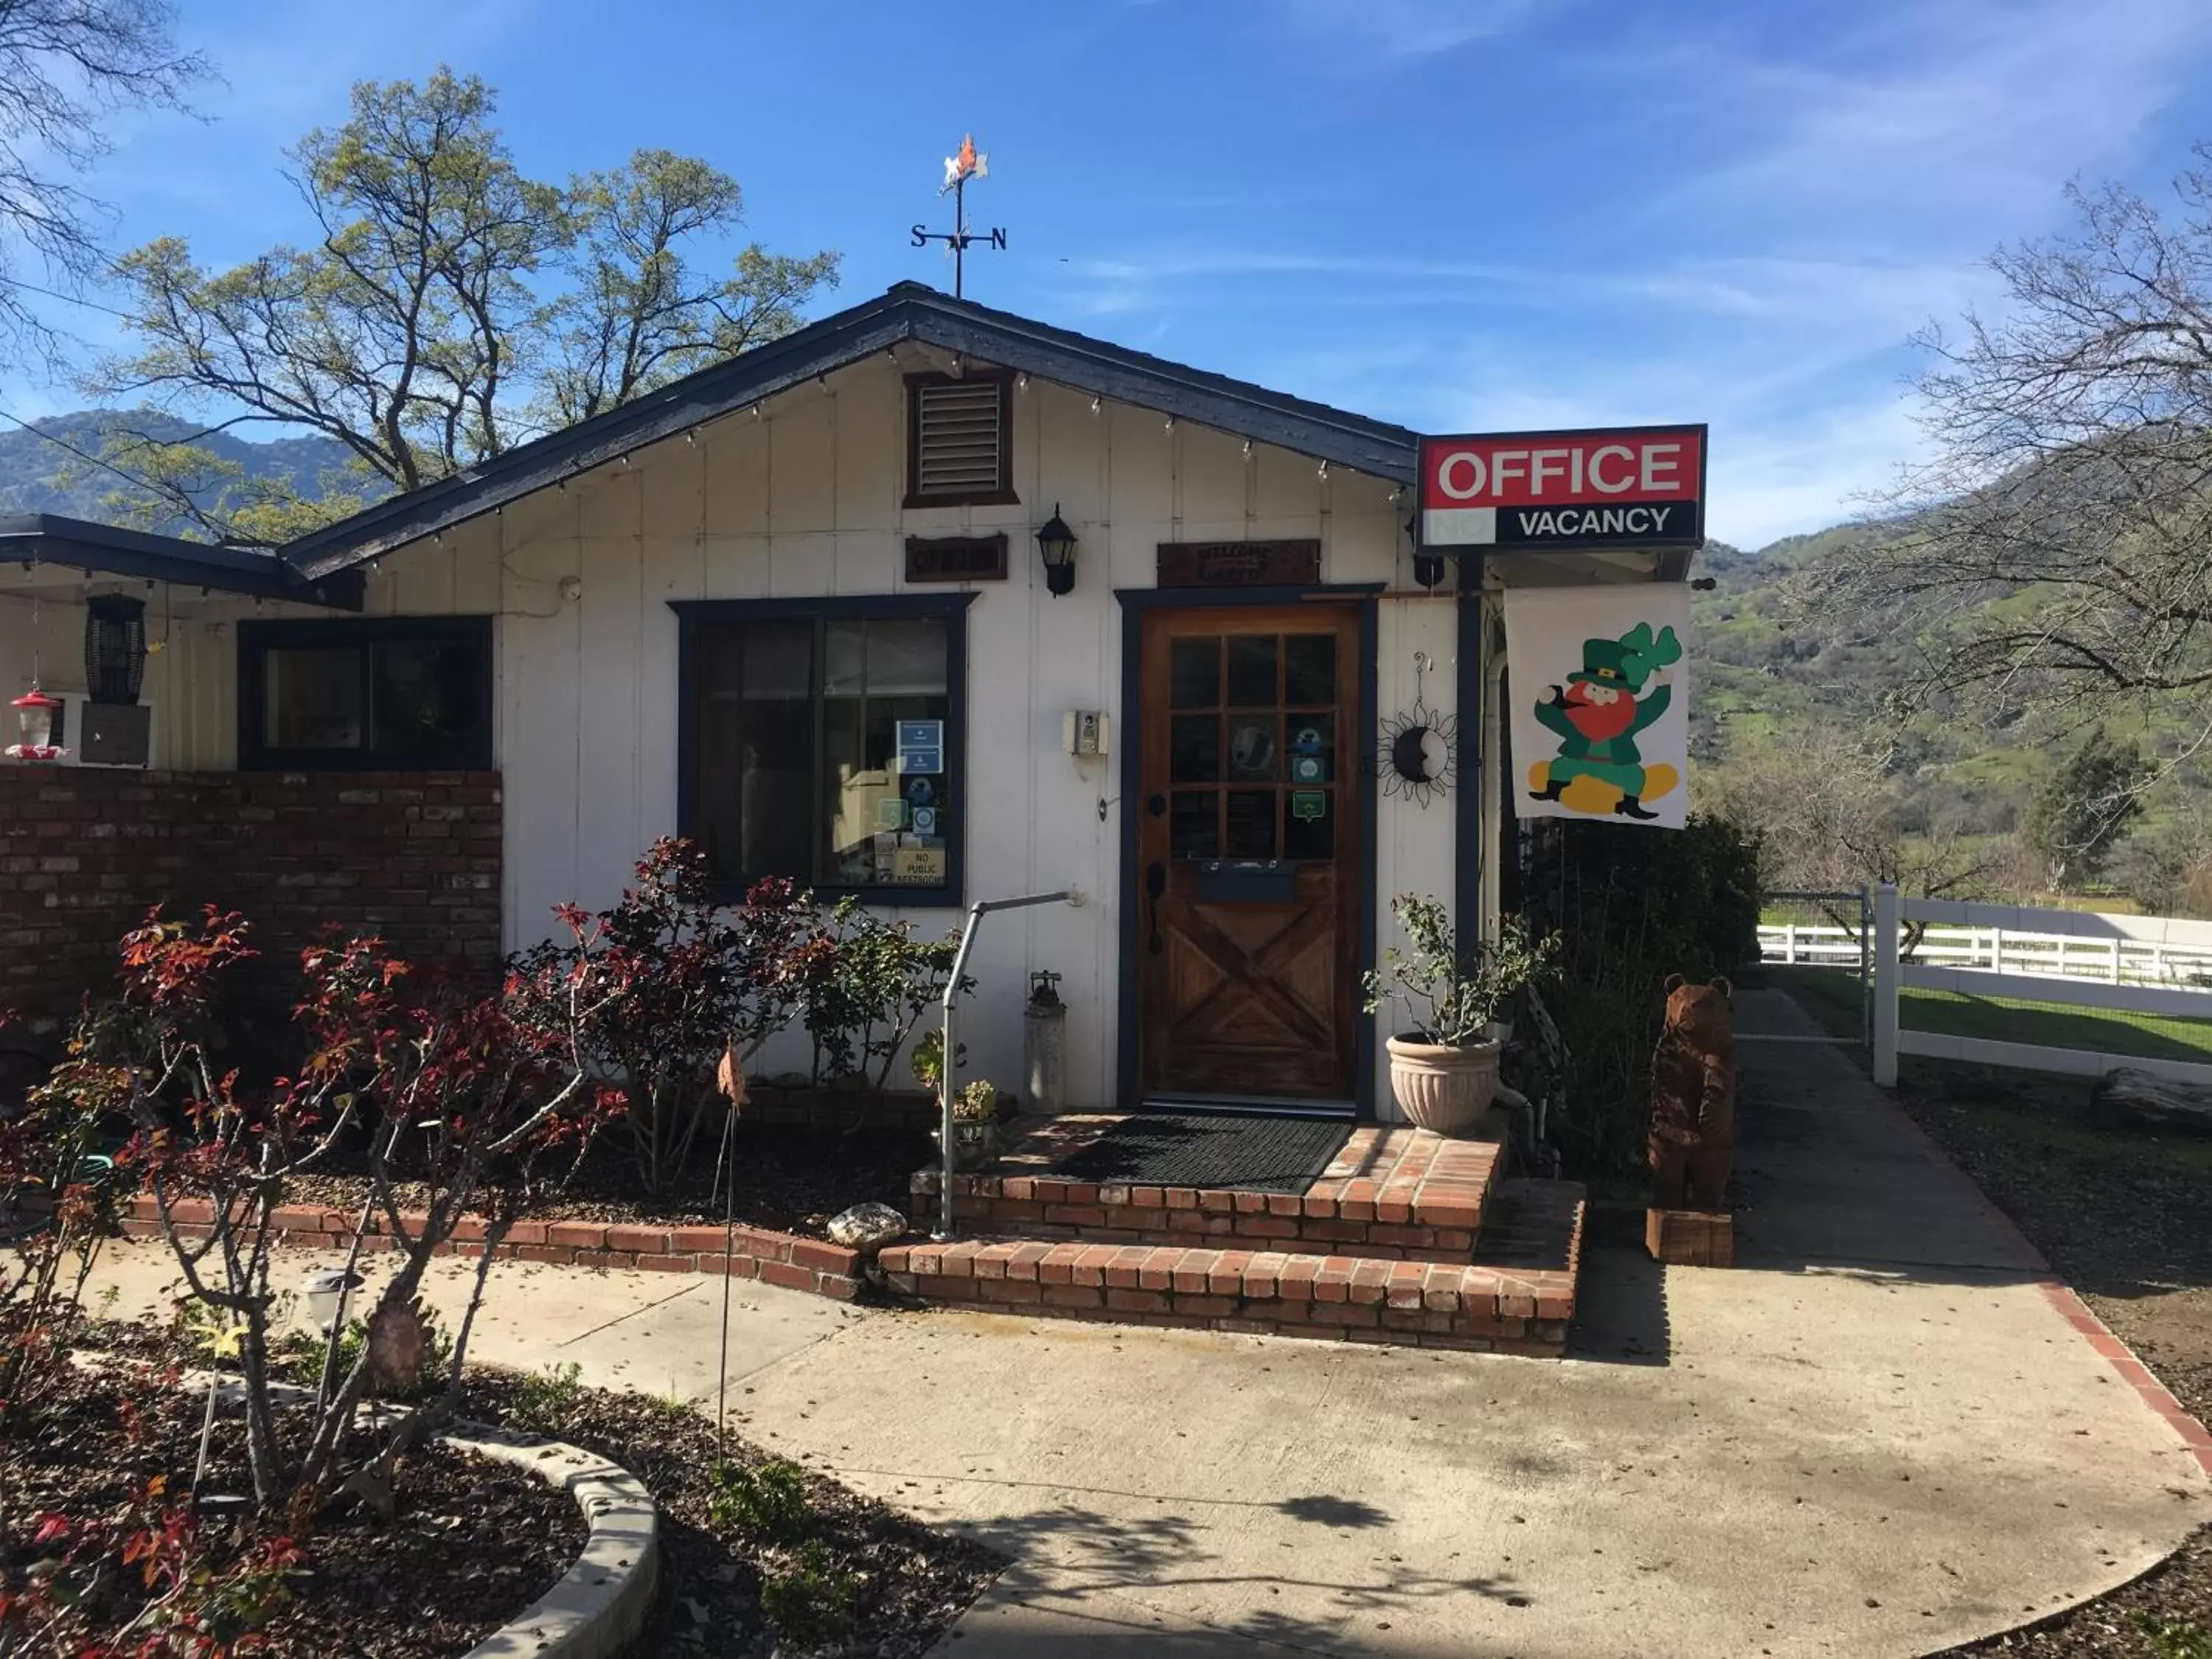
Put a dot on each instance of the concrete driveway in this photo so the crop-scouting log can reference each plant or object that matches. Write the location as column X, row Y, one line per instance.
column 1876, row 1437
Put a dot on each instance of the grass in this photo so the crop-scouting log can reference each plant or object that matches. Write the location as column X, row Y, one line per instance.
column 1831, row 996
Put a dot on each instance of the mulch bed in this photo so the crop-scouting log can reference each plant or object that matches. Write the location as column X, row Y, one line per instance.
column 472, row 1543
column 2121, row 1215
column 475, row 1542
column 907, row 1583
column 790, row 1178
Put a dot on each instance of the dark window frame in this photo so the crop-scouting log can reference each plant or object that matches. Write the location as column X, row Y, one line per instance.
column 950, row 609
column 256, row 639
column 1004, row 495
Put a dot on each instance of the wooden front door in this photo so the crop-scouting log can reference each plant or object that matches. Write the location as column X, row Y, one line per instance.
column 1249, row 853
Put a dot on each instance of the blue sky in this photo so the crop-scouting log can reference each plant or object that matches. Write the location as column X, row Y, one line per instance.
column 1464, row 215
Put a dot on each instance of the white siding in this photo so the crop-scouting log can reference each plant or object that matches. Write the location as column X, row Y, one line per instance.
column 804, row 499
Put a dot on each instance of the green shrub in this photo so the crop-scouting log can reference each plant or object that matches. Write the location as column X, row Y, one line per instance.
column 298, row 1358
column 545, row 1401
column 813, row 1603
column 768, row 1502
column 1630, row 907
column 2176, row 1638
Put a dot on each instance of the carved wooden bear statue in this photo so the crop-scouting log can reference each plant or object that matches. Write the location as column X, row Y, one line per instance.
column 1693, row 1098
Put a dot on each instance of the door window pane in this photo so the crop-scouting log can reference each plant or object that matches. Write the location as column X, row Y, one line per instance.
column 1309, row 825
column 311, row 697
column 1194, row 748
column 1195, row 674
column 1310, row 664
column 1309, row 749
column 1194, row 827
column 1251, row 833
column 1252, row 671
column 1255, row 748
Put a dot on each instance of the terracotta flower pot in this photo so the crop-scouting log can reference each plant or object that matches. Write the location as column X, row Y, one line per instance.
column 1443, row 1088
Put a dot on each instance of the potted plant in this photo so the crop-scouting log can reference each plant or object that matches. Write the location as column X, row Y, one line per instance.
column 1444, row 1070
column 976, row 1113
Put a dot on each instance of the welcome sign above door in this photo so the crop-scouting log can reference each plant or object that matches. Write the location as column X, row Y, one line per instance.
column 1631, row 487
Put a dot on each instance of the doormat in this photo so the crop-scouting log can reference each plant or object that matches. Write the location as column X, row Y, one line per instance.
column 1241, row 1154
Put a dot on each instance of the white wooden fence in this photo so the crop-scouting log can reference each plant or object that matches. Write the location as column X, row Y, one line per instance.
column 2128, row 965
column 2154, row 956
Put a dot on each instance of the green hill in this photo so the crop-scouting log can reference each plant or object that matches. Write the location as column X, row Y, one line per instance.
column 38, row 475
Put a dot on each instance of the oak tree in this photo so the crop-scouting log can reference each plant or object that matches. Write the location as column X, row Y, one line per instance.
column 446, row 307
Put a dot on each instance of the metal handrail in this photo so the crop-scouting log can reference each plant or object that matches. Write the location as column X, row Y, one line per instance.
column 1072, row 895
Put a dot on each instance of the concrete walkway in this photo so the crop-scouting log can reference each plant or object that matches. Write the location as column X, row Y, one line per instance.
column 1875, row 1437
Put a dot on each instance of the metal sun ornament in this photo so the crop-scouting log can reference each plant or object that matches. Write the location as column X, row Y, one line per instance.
column 1404, row 759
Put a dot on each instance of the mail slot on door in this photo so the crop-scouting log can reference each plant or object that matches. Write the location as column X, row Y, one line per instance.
column 1248, row 881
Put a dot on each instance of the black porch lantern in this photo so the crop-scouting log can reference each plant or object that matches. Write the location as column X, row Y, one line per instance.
column 1428, row 567
column 114, row 647
column 1056, row 546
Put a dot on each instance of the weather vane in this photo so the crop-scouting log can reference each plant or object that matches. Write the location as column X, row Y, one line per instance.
column 959, row 170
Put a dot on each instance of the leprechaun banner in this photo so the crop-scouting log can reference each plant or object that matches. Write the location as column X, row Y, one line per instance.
column 1600, row 696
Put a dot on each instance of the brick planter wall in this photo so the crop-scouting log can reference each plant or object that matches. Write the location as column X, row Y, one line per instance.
column 773, row 1258
column 413, row 857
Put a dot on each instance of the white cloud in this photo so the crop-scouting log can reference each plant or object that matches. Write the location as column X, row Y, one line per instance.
column 1405, row 28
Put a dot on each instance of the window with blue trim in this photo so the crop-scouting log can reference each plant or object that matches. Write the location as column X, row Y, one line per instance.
column 362, row 693
column 821, row 742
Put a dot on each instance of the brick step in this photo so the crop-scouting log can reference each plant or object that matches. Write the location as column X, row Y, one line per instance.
column 1393, row 1193
column 1520, row 1304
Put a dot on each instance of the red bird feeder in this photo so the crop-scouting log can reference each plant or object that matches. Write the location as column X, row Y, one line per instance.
column 35, row 709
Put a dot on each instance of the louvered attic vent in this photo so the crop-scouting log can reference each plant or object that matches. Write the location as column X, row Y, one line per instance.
column 959, row 446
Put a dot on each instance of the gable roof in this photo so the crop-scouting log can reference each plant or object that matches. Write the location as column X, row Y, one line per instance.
column 112, row 549
column 908, row 310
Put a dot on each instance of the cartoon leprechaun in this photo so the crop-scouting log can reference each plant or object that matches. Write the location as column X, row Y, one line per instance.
column 1597, row 714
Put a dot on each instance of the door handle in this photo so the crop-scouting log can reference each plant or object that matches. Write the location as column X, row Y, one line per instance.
column 1156, row 805
column 1156, row 884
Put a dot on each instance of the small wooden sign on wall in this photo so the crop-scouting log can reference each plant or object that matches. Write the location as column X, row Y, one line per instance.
column 956, row 558
column 1294, row 563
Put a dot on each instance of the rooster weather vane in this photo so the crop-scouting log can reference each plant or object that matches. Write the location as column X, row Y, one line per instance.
column 1405, row 760
column 959, row 170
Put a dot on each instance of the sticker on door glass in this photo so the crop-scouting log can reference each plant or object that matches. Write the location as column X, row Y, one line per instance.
column 1309, row 805
column 1252, row 747
column 1308, row 763
column 891, row 813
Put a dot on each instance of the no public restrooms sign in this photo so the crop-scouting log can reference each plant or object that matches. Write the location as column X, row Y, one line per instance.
column 1630, row 487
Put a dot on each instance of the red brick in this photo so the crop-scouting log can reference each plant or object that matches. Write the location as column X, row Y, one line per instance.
column 1058, row 1267
column 1190, row 1272
column 990, row 1263
column 577, row 1235
column 667, row 1264
column 1147, row 1198
column 837, row 1286
column 1075, row 1215
column 697, row 1239
column 1283, row 1204
column 1205, row 1307
column 785, row 1273
column 1129, row 1301
column 1072, row 1296
column 1023, row 1262
column 643, row 1241
column 1010, row 1290
column 545, row 1253
column 1091, row 1264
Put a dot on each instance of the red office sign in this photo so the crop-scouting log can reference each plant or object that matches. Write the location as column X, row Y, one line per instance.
column 1635, row 487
